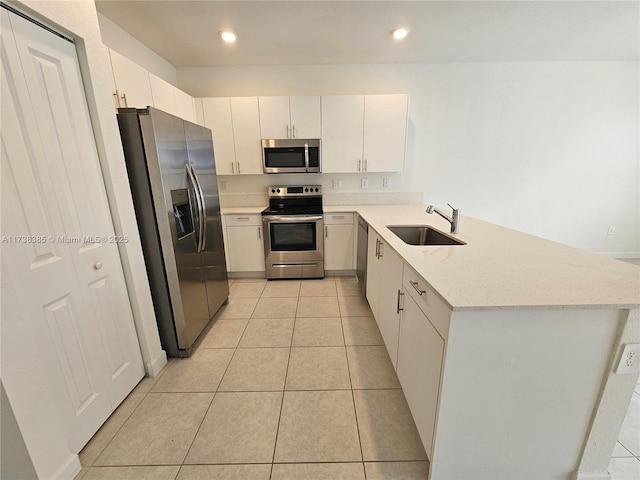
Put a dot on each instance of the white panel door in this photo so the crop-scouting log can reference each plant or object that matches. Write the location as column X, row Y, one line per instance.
column 342, row 130
column 217, row 116
column 66, row 269
column 385, row 131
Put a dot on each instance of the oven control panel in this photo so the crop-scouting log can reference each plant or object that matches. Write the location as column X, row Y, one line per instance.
column 294, row 191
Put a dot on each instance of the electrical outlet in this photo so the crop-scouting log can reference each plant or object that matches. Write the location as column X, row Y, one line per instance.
column 385, row 182
column 630, row 359
column 337, row 184
column 612, row 230
column 364, row 183
column 224, row 185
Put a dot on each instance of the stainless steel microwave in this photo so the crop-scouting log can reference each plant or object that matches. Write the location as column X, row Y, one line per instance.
column 291, row 155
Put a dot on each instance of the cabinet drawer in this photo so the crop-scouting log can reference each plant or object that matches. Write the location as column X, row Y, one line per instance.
column 250, row 219
column 429, row 302
column 338, row 218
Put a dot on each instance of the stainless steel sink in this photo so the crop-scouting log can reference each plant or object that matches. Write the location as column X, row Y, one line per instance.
column 423, row 235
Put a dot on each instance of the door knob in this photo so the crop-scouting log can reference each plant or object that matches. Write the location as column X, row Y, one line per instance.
column 97, row 265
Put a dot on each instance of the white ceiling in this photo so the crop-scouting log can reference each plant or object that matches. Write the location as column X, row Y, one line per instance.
column 185, row 32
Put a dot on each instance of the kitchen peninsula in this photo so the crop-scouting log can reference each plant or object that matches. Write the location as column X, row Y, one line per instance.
column 508, row 360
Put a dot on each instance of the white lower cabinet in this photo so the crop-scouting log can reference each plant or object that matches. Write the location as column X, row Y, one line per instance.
column 339, row 235
column 420, row 358
column 384, row 281
column 244, row 244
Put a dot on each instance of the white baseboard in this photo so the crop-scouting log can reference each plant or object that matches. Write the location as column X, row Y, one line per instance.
column 69, row 469
column 621, row 254
column 591, row 476
column 153, row 368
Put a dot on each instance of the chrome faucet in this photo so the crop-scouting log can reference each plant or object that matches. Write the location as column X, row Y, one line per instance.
column 454, row 220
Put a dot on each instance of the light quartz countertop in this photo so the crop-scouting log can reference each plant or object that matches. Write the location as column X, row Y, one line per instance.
column 241, row 210
column 500, row 268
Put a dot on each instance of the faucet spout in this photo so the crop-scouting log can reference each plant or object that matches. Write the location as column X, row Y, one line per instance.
column 454, row 220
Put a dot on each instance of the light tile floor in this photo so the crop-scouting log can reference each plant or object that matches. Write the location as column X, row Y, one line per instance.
column 291, row 381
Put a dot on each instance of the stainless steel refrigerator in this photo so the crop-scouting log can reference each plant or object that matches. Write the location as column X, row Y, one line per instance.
column 172, row 173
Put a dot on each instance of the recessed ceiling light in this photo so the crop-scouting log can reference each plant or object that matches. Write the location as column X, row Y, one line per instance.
column 228, row 36
column 400, row 33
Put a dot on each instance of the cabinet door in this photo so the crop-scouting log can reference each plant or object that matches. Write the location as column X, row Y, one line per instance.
column 185, row 107
column 338, row 247
column 245, row 248
column 246, row 134
column 388, row 313
column 163, row 94
column 132, row 82
column 275, row 121
column 385, row 129
column 305, row 117
column 217, row 117
column 420, row 351
column 374, row 271
column 342, row 133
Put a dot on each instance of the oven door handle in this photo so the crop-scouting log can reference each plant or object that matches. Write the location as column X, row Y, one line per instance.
column 292, row 218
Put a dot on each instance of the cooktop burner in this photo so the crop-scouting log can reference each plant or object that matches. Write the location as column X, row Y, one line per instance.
column 294, row 200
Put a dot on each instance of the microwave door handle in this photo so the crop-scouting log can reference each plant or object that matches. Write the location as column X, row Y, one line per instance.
column 306, row 157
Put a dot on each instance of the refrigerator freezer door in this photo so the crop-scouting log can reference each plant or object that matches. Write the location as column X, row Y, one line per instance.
column 167, row 159
column 201, row 156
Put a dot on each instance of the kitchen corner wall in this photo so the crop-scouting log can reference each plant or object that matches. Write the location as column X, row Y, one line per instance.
column 548, row 148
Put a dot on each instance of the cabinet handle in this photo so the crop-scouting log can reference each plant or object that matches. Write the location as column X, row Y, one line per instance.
column 381, row 249
column 337, row 216
column 124, row 99
column 259, row 234
column 288, row 134
column 242, row 218
column 359, row 164
column 365, row 164
column 293, row 131
column 398, row 308
column 415, row 286
column 326, row 232
column 117, row 97
column 233, row 168
column 238, row 167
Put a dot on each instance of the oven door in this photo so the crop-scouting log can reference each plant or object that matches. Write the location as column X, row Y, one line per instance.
column 293, row 246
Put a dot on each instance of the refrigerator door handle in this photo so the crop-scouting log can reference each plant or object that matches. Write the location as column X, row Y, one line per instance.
column 196, row 195
column 203, row 212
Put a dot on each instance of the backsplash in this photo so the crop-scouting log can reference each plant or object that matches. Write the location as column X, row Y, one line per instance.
column 329, row 198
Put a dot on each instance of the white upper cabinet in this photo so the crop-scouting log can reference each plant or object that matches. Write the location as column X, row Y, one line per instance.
column 163, row 94
column 185, row 106
column 290, row 117
column 235, row 125
column 132, row 82
column 364, row 133
column 342, row 133
column 246, row 134
column 217, row 117
column 385, row 131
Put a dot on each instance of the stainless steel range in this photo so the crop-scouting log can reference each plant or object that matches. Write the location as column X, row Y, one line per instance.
column 293, row 241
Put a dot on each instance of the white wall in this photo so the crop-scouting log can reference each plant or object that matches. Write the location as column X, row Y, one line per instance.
column 122, row 42
column 549, row 148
